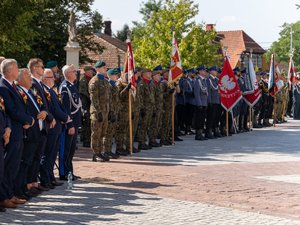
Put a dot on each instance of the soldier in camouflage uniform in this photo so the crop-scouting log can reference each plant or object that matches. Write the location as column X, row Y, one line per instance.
column 147, row 102
column 157, row 111
column 85, row 135
column 100, row 95
column 136, row 105
column 113, row 107
column 166, row 109
column 122, row 129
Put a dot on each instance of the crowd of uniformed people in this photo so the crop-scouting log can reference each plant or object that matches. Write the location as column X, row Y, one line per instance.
column 43, row 111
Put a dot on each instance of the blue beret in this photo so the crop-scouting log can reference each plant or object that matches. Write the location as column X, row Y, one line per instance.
column 200, row 68
column 99, row 64
column 219, row 70
column 113, row 71
column 159, row 67
column 51, row 64
column 213, row 68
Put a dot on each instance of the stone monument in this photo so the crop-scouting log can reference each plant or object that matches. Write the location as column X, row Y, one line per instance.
column 72, row 48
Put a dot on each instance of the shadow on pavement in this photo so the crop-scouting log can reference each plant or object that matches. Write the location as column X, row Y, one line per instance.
column 86, row 203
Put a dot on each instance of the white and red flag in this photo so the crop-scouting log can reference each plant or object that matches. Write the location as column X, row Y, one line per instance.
column 129, row 64
column 275, row 82
column 230, row 92
column 292, row 72
column 254, row 93
column 175, row 68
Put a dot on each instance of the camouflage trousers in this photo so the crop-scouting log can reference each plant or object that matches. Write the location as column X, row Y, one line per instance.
column 121, row 129
column 155, row 126
column 279, row 110
column 135, row 123
column 111, row 131
column 145, row 124
column 98, row 136
column 86, row 130
column 166, row 125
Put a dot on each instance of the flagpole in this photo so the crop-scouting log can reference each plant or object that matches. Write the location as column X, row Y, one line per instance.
column 274, row 105
column 227, row 124
column 129, row 70
column 173, row 119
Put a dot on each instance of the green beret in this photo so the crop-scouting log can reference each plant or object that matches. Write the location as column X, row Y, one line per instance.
column 112, row 71
column 51, row 64
column 99, row 64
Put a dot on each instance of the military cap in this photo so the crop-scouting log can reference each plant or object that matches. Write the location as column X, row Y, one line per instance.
column 87, row 68
column 99, row 64
column 112, row 71
column 51, row 64
column 213, row 68
column 200, row 68
column 159, row 67
column 155, row 72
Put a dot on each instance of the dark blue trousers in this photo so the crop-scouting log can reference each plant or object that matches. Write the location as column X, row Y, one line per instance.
column 12, row 160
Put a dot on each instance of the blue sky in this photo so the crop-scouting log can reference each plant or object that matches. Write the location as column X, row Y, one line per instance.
column 261, row 19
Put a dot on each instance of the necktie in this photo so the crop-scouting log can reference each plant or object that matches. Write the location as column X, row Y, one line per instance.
column 14, row 86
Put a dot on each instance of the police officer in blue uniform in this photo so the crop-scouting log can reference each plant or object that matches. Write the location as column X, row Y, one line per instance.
column 47, row 177
column 72, row 104
column 201, row 94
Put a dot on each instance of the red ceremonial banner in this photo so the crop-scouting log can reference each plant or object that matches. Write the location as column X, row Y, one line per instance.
column 251, row 99
column 175, row 69
column 230, row 92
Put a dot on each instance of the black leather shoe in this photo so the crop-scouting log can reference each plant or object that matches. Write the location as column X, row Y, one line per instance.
column 143, row 147
column 56, row 183
column 76, row 177
column 113, row 155
column 176, row 138
column 63, row 178
column 121, row 152
column 2, row 209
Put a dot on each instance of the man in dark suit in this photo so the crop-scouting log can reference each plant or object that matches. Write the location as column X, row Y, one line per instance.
column 5, row 131
column 72, row 104
column 16, row 110
column 46, row 171
column 31, row 136
column 36, row 68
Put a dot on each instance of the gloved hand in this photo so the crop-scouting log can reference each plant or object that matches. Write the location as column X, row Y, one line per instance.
column 143, row 112
column 171, row 91
column 112, row 117
column 99, row 117
column 128, row 86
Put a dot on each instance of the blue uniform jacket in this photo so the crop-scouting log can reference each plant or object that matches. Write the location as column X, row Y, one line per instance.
column 71, row 102
column 15, row 109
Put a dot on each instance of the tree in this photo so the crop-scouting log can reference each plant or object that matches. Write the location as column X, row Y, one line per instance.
column 282, row 46
column 199, row 48
column 40, row 29
column 152, row 39
column 122, row 34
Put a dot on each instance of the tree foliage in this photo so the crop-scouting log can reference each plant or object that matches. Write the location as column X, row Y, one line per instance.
column 122, row 34
column 38, row 28
column 282, row 46
column 152, row 39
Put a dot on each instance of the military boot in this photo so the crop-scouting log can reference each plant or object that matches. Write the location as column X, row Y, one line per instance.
column 210, row 134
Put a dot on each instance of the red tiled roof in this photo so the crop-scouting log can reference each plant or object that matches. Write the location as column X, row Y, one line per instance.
column 238, row 42
column 114, row 41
